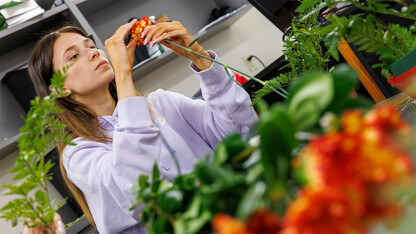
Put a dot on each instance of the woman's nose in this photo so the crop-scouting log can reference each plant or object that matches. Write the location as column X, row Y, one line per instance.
column 94, row 54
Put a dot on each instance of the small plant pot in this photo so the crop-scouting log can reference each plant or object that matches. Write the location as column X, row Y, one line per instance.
column 406, row 82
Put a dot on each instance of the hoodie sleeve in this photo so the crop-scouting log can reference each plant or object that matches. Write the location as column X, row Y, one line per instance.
column 226, row 107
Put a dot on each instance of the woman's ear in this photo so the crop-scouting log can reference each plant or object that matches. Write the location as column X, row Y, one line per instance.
column 65, row 90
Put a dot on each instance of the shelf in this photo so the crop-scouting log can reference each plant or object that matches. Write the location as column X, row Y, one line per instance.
column 194, row 15
column 30, row 30
column 10, row 121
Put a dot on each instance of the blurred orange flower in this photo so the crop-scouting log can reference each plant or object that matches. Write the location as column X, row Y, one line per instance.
column 264, row 221
column 327, row 209
column 368, row 154
column 224, row 224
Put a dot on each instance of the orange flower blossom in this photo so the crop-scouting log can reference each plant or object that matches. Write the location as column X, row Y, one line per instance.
column 138, row 28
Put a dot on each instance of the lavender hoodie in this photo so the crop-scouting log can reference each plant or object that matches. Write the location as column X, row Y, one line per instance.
column 106, row 172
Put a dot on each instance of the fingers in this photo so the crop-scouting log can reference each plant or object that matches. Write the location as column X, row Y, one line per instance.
column 58, row 224
column 131, row 47
column 154, row 32
column 167, row 36
column 125, row 29
column 121, row 33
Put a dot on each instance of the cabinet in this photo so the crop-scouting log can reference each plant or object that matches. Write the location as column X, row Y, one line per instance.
column 100, row 19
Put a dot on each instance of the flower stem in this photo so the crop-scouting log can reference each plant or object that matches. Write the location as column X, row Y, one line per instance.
column 283, row 92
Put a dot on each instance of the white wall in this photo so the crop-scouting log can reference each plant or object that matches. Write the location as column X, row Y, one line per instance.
column 253, row 34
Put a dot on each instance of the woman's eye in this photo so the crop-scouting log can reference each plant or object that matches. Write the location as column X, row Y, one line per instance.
column 93, row 47
column 73, row 57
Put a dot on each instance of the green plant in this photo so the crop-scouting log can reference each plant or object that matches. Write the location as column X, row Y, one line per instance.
column 42, row 131
column 241, row 177
column 367, row 31
column 303, row 51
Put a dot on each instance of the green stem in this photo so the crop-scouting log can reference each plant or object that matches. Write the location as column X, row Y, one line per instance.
column 44, row 223
column 284, row 94
column 404, row 3
column 160, row 212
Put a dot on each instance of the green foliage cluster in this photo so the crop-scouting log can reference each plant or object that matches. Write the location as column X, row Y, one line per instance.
column 302, row 47
column 367, row 31
column 303, row 51
column 42, row 130
column 241, row 176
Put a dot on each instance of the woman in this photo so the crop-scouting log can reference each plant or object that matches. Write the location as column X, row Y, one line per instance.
column 118, row 133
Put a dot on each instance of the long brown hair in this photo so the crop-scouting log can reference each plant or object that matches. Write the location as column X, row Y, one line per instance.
column 81, row 121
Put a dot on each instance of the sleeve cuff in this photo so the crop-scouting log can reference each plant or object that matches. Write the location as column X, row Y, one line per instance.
column 213, row 77
column 133, row 110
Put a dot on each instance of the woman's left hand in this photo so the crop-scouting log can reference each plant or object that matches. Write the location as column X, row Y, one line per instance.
column 177, row 33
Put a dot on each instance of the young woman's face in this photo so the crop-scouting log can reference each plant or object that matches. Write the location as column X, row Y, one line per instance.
column 91, row 72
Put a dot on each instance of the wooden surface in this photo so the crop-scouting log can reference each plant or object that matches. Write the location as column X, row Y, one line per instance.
column 363, row 75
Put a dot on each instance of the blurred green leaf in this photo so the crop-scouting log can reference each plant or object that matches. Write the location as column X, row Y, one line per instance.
column 312, row 89
column 345, row 79
column 170, row 201
column 251, row 200
column 144, row 181
column 208, row 173
column 277, row 136
column 155, row 173
column 221, row 154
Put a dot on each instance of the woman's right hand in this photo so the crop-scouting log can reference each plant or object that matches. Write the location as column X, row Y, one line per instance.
column 122, row 60
column 121, row 56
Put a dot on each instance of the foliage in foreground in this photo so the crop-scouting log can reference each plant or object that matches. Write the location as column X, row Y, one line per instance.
column 42, row 130
column 246, row 180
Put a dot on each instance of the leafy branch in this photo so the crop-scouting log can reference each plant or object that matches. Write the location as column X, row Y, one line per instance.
column 303, row 51
column 42, row 130
column 368, row 32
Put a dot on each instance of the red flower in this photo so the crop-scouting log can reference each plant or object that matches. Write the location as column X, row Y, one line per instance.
column 224, row 224
column 264, row 221
column 329, row 209
column 365, row 153
column 138, row 28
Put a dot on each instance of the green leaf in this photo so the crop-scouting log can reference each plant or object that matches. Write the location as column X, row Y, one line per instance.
column 314, row 11
column 307, row 4
column 179, row 226
column 170, row 201
column 194, row 208
column 41, row 197
column 10, row 4
column 186, row 182
column 313, row 88
column 195, row 225
column 220, row 155
column 155, row 173
column 209, row 173
column 161, row 225
column 234, row 144
column 277, row 137
column 144, row 181
column 345, row 79
column 251, row 200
